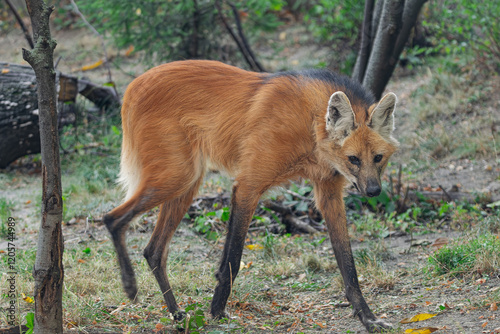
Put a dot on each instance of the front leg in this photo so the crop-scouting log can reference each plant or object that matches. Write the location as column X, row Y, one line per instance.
column 329, row 199
column 243, row 205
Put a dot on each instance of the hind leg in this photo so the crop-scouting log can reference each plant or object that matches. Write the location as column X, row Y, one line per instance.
column 117, row 222
column 156, row 252
column 164, row 183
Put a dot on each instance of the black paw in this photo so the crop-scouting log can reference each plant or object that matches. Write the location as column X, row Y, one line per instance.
column 377, row 326
column 131, row 291
column 219, row 315
column 179, row 315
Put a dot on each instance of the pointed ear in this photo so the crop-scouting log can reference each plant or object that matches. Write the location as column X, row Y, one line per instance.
column 382, row 117
column 339, row 116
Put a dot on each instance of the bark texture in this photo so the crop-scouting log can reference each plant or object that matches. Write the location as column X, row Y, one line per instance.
column 387, row 26
column 19, row 132
column 48, row 269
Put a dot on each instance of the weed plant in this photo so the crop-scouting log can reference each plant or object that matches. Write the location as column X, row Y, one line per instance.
column 467, row 256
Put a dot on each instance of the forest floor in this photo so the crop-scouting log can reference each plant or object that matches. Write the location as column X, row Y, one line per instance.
column 447, row 124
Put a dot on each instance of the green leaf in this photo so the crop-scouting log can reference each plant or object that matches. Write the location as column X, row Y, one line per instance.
column 494, row 204
column 301, row 206
column 115, row 129
column 30, row 322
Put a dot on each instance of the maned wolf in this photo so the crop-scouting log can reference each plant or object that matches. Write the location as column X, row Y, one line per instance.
column 264, row 129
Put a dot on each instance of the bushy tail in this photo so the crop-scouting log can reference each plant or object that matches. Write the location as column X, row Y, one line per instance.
column 130, row 168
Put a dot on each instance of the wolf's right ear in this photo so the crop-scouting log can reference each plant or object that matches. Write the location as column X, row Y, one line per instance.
column 382, row 116
column 339, row 116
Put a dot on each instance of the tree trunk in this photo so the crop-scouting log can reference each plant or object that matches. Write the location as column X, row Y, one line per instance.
column 381, row 63
column 19, row 133
column 391, row 25
column 48, row 269
column 365, row 47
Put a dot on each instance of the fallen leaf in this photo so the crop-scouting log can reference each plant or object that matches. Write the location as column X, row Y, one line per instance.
column 480, row 281
column 28, row 202
column 440, row 242
column 81, row 261
column 418, row 317
column 424, row 330
column 159, row 327
column 448, row 306
column 27, row 299
column 129, row 51
column 493, row 307
column 427, row 303
column 5, row 70
column 92, row 66
column 320, row 324
column 484, row 325
column 254, row 247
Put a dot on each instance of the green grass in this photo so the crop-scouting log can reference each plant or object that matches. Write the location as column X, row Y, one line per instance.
column 478, row 254
column 5, row 212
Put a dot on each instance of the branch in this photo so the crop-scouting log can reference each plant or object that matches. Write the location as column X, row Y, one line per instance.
column 410, row 15
column 292, row 223
column 243, row 38
column 242, row 45
column 21, row 23
column 231, row 32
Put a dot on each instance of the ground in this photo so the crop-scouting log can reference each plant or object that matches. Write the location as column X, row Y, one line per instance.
column 288, row 284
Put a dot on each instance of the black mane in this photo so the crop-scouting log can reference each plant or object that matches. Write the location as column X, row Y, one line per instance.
column 354, row 90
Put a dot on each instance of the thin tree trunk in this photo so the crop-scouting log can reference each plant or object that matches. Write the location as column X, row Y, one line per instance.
column 364, row 48
column 410, row 15
column 382, row 63
column 48, row 270
column 383, row 40
column 377, row 12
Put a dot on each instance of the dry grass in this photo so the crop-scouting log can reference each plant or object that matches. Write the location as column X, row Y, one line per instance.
column 449, row 116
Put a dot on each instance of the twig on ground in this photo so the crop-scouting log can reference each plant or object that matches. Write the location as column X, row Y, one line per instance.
column 445, row 192
column 293, row 193
column 292, row 223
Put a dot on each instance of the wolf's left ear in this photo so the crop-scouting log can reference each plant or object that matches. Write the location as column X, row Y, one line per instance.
column 382, row 117
column 339, row 116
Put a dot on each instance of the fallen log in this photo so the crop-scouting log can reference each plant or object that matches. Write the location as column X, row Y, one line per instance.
column 19, row 132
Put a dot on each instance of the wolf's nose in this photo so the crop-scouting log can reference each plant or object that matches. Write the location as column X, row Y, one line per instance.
column 373, row 191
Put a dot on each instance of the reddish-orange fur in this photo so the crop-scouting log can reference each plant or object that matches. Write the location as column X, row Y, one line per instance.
column 262, row 129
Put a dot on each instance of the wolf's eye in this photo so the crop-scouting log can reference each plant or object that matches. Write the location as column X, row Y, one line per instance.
column 354, row 160
column 378, row 158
